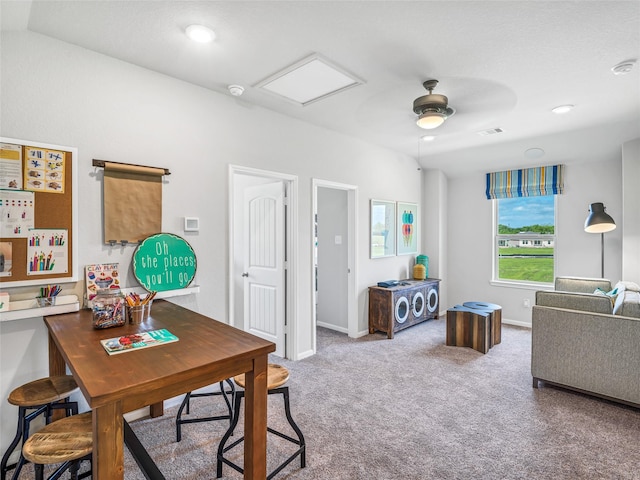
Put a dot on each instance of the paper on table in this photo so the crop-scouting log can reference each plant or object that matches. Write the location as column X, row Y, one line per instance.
column 136, row 341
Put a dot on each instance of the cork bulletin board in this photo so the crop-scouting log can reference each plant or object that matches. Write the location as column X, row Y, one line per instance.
column 38, row 208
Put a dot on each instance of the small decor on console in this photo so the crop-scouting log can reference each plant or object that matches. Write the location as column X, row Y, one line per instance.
column 420, row 268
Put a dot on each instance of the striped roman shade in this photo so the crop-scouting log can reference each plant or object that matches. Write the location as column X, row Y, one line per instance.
column 528, row 182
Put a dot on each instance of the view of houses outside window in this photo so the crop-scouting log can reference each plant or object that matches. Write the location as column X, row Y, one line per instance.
column 525, row 239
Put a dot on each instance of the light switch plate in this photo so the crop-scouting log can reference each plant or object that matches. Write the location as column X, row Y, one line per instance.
column 191, row 224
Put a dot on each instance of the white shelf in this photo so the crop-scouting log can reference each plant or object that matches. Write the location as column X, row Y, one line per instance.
column 69, row 303
column 29, row 308
column 167, row 293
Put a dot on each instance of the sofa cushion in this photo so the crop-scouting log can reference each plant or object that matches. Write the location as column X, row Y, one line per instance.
column 586, row 302
column 581, row 285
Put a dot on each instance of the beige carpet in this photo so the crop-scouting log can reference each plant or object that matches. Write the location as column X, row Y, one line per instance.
column 413, row 408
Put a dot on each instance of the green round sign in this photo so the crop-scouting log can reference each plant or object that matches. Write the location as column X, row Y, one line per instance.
column 164, row 262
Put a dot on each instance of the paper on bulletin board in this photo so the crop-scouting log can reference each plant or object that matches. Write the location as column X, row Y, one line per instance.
column 44, row 171
column 17, row 212
column 6, row 258
column 10, row 166
column 47, row 251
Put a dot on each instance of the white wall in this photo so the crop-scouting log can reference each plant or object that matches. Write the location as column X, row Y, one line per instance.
column 469, row 236
column 57, row 93
column 435, row 227
column 333, row 263
column 631, row 211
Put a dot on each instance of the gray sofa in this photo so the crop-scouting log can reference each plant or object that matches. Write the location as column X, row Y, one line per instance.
column 588, row 341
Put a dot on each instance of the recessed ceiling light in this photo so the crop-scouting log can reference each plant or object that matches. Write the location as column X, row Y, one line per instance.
column 534, row 153
column 200, row 33
column 562, row 109
column 428, row 138
column 623, row 68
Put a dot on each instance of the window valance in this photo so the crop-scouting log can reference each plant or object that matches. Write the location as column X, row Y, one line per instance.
column 528, row 182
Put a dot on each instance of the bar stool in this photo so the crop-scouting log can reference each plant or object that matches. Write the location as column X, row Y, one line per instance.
column 187, row 402
column 277, row 376
column 42, row 396
column 68, row 441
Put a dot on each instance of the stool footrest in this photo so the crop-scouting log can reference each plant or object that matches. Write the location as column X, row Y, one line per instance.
column 223, row 448
column 186, row 403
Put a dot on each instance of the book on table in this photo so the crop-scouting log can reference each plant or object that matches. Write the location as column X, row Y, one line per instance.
column 137, row 341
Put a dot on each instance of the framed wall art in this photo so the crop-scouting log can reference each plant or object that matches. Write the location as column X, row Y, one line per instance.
column 407, row 228
column 383, row 224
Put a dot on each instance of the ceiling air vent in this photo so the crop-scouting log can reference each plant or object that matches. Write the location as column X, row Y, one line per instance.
column 491, row 131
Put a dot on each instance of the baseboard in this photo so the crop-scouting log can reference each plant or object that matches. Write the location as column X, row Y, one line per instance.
column 332, row 327
column 342, row 329
column 303, row 355
column 517, row 323
column 144, row 412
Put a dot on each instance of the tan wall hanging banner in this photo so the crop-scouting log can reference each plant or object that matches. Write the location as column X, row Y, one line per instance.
column 132, row 202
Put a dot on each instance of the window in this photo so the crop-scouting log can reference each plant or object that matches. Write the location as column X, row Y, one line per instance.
column 525, row 239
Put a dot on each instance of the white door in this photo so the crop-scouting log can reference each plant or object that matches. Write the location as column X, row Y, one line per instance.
column 264, row 247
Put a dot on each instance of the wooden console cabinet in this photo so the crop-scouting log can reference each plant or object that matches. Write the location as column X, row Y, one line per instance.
column 409, row 303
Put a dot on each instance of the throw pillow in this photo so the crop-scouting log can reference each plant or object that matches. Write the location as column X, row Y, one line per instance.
column 611, row 294
column 631, row 286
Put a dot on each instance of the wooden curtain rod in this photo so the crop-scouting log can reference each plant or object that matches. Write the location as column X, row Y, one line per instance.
column 100, row 163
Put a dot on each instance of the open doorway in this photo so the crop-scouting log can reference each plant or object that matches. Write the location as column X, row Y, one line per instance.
column 262, row 260
column 334, row 253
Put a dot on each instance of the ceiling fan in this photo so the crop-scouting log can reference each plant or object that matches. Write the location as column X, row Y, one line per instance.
column 432, row 109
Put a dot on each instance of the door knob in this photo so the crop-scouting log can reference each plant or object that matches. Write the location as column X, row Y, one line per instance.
column 245, row 274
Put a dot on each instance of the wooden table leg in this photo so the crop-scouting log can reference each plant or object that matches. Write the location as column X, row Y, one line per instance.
column 156, row 410
column 57, row 367
column 255, row 423
column 108, row 442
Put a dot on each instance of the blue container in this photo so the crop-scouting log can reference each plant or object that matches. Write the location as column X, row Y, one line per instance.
column 424, row 260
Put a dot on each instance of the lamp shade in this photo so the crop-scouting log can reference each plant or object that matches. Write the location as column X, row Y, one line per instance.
column 598, row 220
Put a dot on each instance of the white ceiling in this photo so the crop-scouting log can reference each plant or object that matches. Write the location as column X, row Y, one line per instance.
column 501, row 63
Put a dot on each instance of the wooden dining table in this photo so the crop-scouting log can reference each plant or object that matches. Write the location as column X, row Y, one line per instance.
column 207, row 352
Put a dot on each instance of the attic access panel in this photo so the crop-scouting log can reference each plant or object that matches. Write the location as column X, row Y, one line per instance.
column 309, row 80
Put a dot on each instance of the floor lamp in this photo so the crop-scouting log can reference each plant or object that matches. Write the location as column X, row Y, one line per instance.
column 600, row 222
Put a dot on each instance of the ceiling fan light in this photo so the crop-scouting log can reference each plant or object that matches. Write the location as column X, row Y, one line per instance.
column 429, row 120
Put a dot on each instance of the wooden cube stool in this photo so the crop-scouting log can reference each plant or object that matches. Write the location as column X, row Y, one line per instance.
column 41, row 396
column 495, row 317
column 277, row 376
column 467, row 327
column 187, row 403
column 67, row 441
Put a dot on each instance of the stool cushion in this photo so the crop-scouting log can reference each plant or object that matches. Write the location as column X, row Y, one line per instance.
column 43, row 391
column 64, row 440
column 277, row 375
